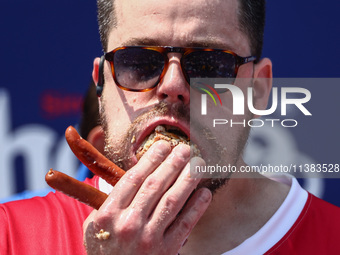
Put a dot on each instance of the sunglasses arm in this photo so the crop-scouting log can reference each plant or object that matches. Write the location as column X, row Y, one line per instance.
column 100, row 84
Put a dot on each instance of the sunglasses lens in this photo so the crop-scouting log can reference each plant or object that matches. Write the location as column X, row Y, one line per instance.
column 209, row 64
column 138, row 68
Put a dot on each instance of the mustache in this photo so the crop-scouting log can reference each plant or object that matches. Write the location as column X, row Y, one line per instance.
column 176, row 111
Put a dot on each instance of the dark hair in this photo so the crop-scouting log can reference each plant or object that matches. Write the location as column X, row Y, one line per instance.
column 252, row 15
column 106, row 20
column 90, row 115
column 251, row 18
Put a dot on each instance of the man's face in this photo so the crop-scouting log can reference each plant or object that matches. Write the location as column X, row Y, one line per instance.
column 130, row 116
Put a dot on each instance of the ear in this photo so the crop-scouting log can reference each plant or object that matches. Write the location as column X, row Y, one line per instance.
column 96, row 137
column 263, row 81
column 95, row 70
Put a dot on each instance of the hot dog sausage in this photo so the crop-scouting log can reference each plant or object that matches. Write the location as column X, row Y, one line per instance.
column 76, row 189
column 92, row 158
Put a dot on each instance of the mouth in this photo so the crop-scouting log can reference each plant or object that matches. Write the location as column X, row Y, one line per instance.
column 172, row 134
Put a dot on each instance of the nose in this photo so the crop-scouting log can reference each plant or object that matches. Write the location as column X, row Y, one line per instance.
column 173, row 87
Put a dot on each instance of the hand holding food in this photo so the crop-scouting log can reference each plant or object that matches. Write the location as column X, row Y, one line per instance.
column 152, row 209
column 102, row 166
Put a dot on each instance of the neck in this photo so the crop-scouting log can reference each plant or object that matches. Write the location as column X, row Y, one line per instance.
column 238, row 210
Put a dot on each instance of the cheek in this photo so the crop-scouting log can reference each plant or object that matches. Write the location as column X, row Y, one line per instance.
column 136, row 100
column 116, row 118
column 115, row 114
column 121, row 108
column 134, row 104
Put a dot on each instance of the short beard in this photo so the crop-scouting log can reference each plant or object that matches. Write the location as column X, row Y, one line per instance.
column 118, row 151
column 234, row 158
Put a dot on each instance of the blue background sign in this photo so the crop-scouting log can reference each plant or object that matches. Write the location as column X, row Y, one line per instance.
column 47, row 50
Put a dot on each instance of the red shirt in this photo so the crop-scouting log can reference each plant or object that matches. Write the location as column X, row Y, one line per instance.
column 43, row 225
column 316, row 231
column 53, row 225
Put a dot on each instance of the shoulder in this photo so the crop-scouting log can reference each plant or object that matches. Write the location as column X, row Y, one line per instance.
column 322, row 206
column 35, row 224
column 314, row 232
column 53, row 205
column 320, row 216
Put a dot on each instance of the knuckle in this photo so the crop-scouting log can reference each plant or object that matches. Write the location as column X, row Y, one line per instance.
column 128, row 227
column 151, row 240
column 152, row 183
column 103, row 218
column 188, row 180
column 174, row 163
column 147, row 243
column 134, row 177
column 126, row 232
column 171, row 202
column 178, row 157
column 185, row 226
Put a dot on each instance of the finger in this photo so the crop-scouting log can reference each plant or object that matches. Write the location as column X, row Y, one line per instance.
column 157, row 183
column 174, row 199
column 179, row 231
column 126, row 189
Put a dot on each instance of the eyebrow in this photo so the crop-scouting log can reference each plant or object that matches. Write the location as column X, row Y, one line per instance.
column 141, row 42
column 205, row 43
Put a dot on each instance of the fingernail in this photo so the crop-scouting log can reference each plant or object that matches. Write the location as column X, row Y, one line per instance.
column 205, row 195
column 182, row 151
column 195, row 166
column 160, row 148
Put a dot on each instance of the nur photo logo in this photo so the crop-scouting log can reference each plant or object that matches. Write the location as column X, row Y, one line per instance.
column 280, row 99
column 204, row 96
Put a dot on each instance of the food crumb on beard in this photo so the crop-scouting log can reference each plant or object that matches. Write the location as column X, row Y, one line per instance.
column 133, row 139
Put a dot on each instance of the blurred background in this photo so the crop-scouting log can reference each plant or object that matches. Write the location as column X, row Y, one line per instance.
column 47, row 50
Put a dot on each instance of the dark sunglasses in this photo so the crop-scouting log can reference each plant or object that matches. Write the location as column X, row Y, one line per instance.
column 139, row 68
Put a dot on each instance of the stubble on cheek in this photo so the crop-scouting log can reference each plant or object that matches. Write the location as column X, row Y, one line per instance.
column 223, row 155
column 117, row 154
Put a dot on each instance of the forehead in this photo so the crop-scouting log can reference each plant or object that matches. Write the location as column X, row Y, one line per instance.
column 204, row 23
